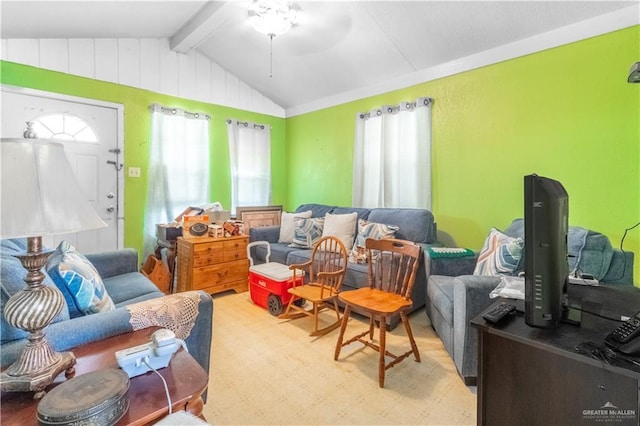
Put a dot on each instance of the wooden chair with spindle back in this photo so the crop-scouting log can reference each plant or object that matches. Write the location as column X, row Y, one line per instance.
column 392, row 271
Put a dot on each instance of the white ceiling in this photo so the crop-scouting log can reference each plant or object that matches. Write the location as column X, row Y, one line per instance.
column 338, row 46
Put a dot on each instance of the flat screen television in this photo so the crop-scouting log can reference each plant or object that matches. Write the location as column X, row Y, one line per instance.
column 546, row 211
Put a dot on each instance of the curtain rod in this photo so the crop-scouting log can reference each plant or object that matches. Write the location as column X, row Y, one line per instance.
column 247, row 124
column 180, row 111
column 403, row 106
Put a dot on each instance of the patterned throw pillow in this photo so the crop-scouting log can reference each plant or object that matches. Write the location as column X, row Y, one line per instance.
column 500, row 255
column 287, row 225
column 307, row 232
column 79, row 281
column 366, row 230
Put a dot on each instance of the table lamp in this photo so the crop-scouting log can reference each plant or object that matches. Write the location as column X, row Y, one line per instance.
column 40, row 196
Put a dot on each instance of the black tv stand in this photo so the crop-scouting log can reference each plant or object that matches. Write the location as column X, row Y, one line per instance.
column 572, row 313
column 536, row 375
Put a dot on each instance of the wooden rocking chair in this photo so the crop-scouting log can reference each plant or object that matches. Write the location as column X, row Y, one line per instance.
column 325, row 269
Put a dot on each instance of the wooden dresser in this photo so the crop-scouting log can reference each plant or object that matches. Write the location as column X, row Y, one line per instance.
column 213, row 264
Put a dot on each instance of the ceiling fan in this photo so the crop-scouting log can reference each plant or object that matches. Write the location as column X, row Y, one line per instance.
column 317, row 27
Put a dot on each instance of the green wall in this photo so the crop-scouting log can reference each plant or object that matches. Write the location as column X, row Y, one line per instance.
column 566, row 113
column 137, row 131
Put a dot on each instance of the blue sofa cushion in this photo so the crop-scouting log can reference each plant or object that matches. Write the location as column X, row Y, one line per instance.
column 415, row 225
column 298, row 256
column 126, row 288
column 11, row 281
column 363, row 213
column 318, row 210
column 356, row 276
column 79, row 282
column 279, row 253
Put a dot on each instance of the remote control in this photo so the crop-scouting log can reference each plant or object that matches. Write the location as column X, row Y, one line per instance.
column 498, row 312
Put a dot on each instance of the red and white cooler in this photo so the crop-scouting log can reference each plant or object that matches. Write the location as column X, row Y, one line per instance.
column 269, row 282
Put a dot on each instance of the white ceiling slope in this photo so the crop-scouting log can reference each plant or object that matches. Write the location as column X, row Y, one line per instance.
column 340, row 50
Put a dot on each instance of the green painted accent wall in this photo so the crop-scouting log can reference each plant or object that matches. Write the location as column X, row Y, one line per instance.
column 566, row 113
column 137, row 132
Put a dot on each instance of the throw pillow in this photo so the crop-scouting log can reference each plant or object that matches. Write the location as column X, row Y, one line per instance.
column 500, row 255
column 287, row 225
column 307, row 232
column 79, row 281
column 342, row 226
column 366, row 230
column 377, row 231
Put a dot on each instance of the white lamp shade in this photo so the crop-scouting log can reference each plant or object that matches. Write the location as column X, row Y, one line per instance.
column 40, row 193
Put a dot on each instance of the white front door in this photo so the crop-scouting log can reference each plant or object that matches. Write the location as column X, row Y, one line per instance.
column 94, row 152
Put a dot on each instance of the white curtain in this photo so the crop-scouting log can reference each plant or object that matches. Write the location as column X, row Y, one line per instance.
column 392, row 156
column 250, row 159
column 178, row 167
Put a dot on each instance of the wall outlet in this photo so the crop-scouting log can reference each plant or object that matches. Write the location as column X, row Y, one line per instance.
column 134, row 172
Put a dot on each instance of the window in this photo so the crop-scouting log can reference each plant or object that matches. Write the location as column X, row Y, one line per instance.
column 178, row 166
column 392, row 156
column 63, row 126
column 250, row 159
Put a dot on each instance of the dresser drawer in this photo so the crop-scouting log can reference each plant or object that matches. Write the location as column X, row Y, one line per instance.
column 214, row 275
column 239, row 244
column 213, row 264
column 230, row 256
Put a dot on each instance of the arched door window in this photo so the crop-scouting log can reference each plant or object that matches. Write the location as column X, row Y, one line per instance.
column 63, row 126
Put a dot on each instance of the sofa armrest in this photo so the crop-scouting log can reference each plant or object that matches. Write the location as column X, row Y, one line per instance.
column 451, row 266
column 621, row 268
column 117, row 262
column 66, row 335
column 265, row 233
column 470, row 298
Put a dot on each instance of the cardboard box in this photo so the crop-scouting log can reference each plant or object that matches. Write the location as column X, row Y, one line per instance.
column 190, row 221
column 189, row 211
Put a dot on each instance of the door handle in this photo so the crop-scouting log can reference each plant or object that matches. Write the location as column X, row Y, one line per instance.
column 114, row 164
column 110, row 209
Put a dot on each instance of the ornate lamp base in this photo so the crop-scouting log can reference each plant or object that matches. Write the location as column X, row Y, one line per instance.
column 32, row 309
column 38, row 381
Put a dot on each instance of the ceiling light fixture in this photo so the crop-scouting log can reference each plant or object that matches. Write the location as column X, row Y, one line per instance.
column 272, row 18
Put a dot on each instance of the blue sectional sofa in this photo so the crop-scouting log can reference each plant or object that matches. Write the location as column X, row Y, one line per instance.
column 128, row 289
column 415, row 225
column 455, row 296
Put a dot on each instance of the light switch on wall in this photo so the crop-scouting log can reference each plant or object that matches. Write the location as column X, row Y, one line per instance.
column 134, row 172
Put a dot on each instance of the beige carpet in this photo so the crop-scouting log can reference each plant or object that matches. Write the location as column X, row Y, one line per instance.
column 268, row 371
